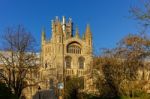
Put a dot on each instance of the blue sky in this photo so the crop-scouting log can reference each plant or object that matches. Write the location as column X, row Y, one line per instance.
column 109, row 19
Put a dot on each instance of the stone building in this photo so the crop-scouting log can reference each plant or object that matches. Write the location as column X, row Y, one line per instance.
column 66, row 54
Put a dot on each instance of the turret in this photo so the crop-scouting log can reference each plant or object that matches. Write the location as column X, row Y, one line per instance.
column 43, row 36
column 70, row 23
column 64, row 24
column 63, row 28
column 83, row 36
column 88, row 35
column 59, row 29
column 69, row 28
column 59, row 33
column 52, row 28
column 77, row 33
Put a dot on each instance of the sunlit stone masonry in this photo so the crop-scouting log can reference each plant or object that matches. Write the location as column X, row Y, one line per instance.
column 66, row 54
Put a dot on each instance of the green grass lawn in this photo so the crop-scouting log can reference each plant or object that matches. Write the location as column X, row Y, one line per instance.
column 140, row 97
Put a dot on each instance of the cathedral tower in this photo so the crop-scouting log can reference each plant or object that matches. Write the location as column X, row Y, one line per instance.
column 64, row 54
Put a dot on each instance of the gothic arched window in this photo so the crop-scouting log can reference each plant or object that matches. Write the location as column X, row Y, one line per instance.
column 68, row 61
column 74, row 48
column 81, row 62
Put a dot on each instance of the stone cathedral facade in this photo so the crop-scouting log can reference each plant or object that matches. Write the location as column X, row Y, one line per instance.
column 65, row 54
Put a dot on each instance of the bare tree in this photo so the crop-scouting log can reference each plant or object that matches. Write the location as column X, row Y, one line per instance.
column 142, row 13
column 18, row 58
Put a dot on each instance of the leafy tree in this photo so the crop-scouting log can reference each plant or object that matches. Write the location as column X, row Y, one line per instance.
column 110, row 75
column 118, row 68
column 73, row 87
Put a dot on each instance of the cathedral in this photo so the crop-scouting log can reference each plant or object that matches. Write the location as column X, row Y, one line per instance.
column 63, row 56
column 66, row 54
